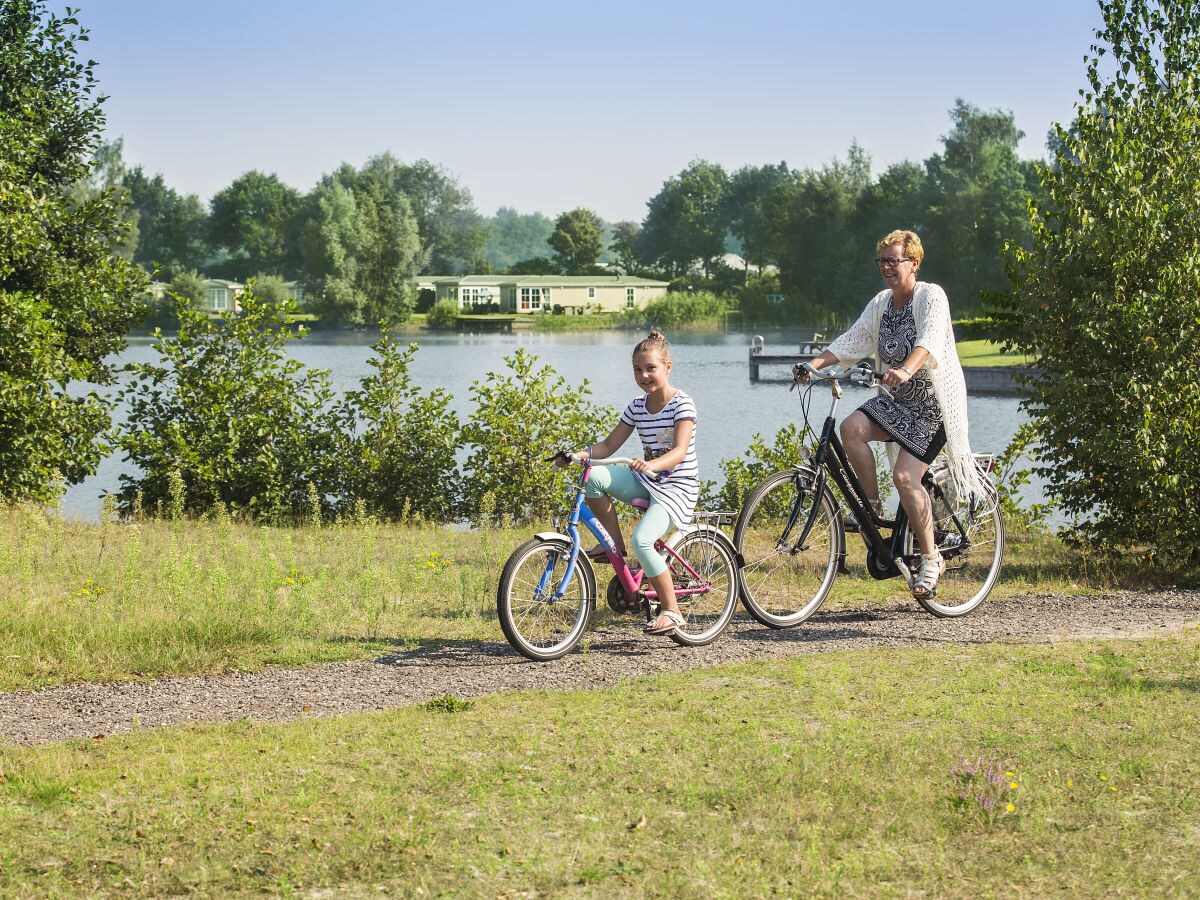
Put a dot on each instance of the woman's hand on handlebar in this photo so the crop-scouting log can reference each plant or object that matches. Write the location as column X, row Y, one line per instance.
column 801, row 372
column 895, row 376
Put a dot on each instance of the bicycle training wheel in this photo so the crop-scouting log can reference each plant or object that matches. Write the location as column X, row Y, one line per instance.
column 713, row 570
column 785, row 580
column 538, row 625
column 972, row 543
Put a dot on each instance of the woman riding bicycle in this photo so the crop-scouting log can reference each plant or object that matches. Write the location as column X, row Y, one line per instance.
column 907, row 326
column 667, row 476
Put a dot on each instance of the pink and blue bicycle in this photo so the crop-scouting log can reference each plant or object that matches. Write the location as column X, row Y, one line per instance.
column 547, row 593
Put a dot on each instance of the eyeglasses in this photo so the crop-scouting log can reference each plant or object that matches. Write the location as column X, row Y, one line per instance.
column 886, row 263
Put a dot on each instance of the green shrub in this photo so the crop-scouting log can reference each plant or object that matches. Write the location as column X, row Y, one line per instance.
column 980, row 328
column 443, row 316
column 400, row 458
column 228, row 418
column 685, row 308
column 520, row 419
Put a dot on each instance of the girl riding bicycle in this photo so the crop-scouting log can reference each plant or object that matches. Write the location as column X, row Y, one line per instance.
column 667, row 475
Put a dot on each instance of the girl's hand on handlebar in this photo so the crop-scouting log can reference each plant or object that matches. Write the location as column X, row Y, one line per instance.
column 640, row 465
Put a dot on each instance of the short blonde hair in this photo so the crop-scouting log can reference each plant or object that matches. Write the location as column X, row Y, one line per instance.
column 911, row 244
column 654, row 342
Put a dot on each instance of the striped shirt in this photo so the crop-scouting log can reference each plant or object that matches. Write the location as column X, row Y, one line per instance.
column 678, row 489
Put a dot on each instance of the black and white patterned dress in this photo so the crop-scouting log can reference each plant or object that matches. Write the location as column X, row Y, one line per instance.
column 911, row 416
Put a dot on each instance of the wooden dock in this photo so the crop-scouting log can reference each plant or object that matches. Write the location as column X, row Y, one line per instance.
column 485, row 324
column 759, row 356
column 980, row 379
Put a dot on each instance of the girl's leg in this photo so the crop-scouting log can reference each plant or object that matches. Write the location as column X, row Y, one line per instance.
column 619, row 482
column 654, row 524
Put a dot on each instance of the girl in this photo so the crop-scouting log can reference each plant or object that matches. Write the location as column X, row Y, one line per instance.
column 668, row 475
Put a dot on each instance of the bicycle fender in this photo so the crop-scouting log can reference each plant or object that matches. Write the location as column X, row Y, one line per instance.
column 552, row 536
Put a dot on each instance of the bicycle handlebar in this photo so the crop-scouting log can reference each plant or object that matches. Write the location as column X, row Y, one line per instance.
column 608, row 461
column 863, row 374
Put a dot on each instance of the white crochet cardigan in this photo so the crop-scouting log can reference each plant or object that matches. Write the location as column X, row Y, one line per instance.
column 931, row 312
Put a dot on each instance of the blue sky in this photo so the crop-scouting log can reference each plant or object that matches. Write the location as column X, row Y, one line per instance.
column 546, row 106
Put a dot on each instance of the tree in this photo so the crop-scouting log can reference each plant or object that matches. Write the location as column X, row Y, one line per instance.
column 1107, row 296
column 755, row 204
column 624, row 244
column 823, row 254
column 107, row 173
column 66, row 298
column 685, row 223
column 978, row 199
column 254, row 220
column 171, row 226
column 453, row 234
column 361, row 249
column 577, row 241
column 514, row 236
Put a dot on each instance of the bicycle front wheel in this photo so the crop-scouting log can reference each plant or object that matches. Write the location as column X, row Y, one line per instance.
column 706, row 587
column 972, row 543
column 536, row 623
column 785, row 580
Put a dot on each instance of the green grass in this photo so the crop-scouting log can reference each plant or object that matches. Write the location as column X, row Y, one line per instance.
column 987, row 353
column 112, row 602
column 833, row 774
column 836, row 774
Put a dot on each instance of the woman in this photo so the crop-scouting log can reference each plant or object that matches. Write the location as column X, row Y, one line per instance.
column 907, row 327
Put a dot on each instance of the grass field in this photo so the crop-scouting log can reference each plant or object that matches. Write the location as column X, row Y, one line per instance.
column 987, row 353
column 1065, row 770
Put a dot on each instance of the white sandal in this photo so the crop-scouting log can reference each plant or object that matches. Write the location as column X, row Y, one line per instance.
column 674, row 618
column 933, row 567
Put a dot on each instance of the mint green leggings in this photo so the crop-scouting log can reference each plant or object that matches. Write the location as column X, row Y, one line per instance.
column 621, row 483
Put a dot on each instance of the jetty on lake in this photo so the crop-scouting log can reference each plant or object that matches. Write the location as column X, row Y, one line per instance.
column 760, row 357
column 980, row 379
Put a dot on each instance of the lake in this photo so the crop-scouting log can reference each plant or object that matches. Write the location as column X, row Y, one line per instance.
column 712, row 367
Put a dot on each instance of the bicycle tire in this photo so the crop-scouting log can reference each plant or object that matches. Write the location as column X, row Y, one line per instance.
column 972, row 565
column 781, row 587
column 707, row 614
column 538, row 627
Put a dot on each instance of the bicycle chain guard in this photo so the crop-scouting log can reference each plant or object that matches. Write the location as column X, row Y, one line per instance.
column 618, row 601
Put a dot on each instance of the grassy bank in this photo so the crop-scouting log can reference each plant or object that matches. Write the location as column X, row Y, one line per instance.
column 988, row 353
column 837, row 774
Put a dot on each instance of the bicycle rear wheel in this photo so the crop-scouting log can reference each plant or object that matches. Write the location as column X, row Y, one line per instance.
column 537, row 625
column 972, row 543
column 713, row 560
column 784, row 582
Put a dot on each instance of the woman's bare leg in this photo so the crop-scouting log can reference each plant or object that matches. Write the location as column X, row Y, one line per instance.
column 914, row 498
column 857, row 431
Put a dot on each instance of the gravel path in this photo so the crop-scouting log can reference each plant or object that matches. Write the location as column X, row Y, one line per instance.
column 615, row 653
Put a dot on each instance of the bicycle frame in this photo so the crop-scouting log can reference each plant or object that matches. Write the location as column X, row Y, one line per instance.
column 830, row 457
column 631, row 579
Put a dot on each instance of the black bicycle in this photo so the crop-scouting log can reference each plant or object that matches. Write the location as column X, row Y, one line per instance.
column 790, row 530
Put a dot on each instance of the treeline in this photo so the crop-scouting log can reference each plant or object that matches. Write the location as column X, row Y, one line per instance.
column 356, row 240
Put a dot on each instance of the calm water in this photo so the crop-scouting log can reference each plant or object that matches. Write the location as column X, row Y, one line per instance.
column 711, row 367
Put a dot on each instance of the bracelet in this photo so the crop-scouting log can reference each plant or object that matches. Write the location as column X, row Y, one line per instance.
column 905, row 371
